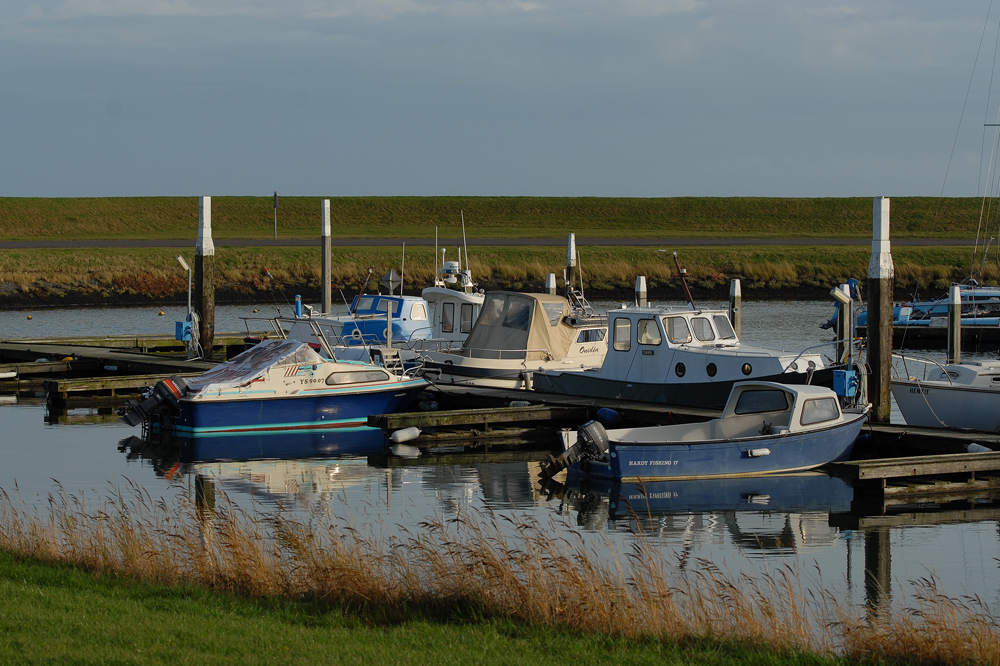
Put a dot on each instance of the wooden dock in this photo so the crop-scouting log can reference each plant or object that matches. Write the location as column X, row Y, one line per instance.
column 940, row 475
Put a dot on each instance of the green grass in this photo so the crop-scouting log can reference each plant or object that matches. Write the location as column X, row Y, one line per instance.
column 486, row 217
column 61, row 614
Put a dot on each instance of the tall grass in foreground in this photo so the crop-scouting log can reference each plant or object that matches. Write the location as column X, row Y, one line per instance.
column 480, row 564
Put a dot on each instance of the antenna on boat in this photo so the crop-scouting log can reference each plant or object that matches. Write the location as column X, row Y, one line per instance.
column 467, row 275
column 682, row 273
column 402, row 271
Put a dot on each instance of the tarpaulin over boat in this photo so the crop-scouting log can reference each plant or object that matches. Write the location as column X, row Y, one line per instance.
column 254, row 363
column 528, row 326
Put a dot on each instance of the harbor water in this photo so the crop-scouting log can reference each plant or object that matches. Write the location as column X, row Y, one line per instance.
column 809, row 521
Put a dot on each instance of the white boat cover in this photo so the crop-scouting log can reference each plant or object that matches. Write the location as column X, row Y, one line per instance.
column 528, row 326
column 254, row 363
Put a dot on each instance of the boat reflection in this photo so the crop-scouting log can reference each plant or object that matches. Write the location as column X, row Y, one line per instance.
column 767, row 513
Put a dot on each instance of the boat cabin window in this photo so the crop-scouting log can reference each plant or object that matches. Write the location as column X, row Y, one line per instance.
column 468, row 315
column 677, row 330
column 364, row 303
column 384, row 304
column 724, row 327
column 356, row 377
column 648, row 333
column 448, row 318
column 518, row 316
column 418, row 312
column 761, row 400
column 819, row 410
column 554, row 312
column 591, row 335
column 703, row 329
column 623, row 334
column 492, row 310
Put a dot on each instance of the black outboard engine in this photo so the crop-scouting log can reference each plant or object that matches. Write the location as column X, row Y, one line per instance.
column 593, row 440
column 165, row 395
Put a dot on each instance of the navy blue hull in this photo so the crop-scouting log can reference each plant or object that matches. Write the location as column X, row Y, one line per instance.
column 304, row 411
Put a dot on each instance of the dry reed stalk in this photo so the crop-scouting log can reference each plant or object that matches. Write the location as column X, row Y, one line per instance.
column 489, row 565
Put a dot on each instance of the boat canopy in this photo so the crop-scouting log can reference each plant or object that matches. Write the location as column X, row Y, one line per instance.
column 254, row 363
column 528, row 326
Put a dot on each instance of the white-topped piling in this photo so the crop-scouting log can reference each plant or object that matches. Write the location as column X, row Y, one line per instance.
column 550, row 284
column 736, row 306
column 204, row 277
column 880, row 287
column 570, row 276
column 325, row 234
column 954, row 324
column 640, row 291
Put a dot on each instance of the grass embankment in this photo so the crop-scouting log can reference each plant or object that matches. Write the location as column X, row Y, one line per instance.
column 486, row 217
column 32, row 277
column 113, row 276
column 476, row 587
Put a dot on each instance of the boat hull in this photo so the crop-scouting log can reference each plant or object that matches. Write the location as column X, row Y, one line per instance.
column 708, row 395
column 938, row 405
column 320, row 409
column 790, row 452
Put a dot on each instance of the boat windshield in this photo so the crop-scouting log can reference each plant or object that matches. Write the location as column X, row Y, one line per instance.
column 724, row 327
column 819, row 410
column 761, row 400
column 702, row 329
column 678, row 332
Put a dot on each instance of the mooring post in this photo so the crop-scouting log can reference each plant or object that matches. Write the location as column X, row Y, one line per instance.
column 845, row 319
column 327, row 293
column 878, row 572
column 640, row 291
column 880, row 284
column 736, row 306
column 204, row 277
column 550, row 284
column 955, row 325
column 569, row 277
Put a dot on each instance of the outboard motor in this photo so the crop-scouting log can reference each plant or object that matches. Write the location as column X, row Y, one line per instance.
column 166, row 394
column 593, row 440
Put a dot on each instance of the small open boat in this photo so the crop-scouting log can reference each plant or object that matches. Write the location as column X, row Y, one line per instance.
column 765, row 428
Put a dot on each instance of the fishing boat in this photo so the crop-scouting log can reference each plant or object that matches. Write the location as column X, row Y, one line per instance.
column 277, row 385
column 676, row 356
column 962, row 395
column 765, row 428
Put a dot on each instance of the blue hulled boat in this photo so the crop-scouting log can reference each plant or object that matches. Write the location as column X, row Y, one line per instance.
column 765, row 428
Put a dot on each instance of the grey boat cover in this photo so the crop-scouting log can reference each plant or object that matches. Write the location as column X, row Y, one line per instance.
column 521, row 326
column 254, row 363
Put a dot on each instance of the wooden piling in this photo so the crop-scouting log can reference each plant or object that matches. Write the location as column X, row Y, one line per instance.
column 880, row 284
column 204, row 277
column 736, row 306
column 954, row 325
column 845, row 319
column 326, row 254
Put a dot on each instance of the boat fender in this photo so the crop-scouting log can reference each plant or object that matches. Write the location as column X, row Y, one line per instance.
column 608, row 416
column 405, row 451
column 404, row 435
column 978, row 448
column 429, row 405
column 520, row 403
column 758, row 453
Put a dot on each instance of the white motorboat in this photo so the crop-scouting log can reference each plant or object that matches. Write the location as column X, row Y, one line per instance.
column 962, row 395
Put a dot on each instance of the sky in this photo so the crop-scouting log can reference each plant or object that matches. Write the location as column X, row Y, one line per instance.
column 643, row 98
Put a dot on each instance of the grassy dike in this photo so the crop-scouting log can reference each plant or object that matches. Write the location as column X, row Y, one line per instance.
column 60, row 613
column 124, row 276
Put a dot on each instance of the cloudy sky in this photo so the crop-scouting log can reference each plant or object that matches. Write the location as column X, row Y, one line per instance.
column 494, row 97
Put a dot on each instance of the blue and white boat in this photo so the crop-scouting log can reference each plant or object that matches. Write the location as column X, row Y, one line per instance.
column 278, row 385
column 765, row 428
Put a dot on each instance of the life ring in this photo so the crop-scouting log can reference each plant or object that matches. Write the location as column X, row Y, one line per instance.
column 385, row 333
column 356, row 334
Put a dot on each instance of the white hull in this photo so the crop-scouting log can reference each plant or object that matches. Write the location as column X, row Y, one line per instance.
column 935, row 404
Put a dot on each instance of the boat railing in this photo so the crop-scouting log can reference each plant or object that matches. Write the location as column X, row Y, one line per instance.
column 811, row 347
column 505, row 354
column 926, row 362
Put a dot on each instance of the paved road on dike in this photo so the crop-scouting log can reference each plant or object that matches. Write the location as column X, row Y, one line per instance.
column 477, row 242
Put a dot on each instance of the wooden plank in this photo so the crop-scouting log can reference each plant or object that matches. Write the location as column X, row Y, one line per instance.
column 476, row 417
column 889, row 468
column 113, row 383
column 899, row 430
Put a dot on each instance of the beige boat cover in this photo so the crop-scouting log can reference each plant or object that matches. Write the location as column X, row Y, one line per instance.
column 521, row 326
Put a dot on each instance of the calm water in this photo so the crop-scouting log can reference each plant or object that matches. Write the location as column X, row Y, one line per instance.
column 744, row 524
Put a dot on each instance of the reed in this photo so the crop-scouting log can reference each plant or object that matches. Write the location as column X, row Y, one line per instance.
column 483, row 565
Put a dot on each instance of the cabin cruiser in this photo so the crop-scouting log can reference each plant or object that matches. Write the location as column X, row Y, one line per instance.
column 686, row 357
column 519, row 334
